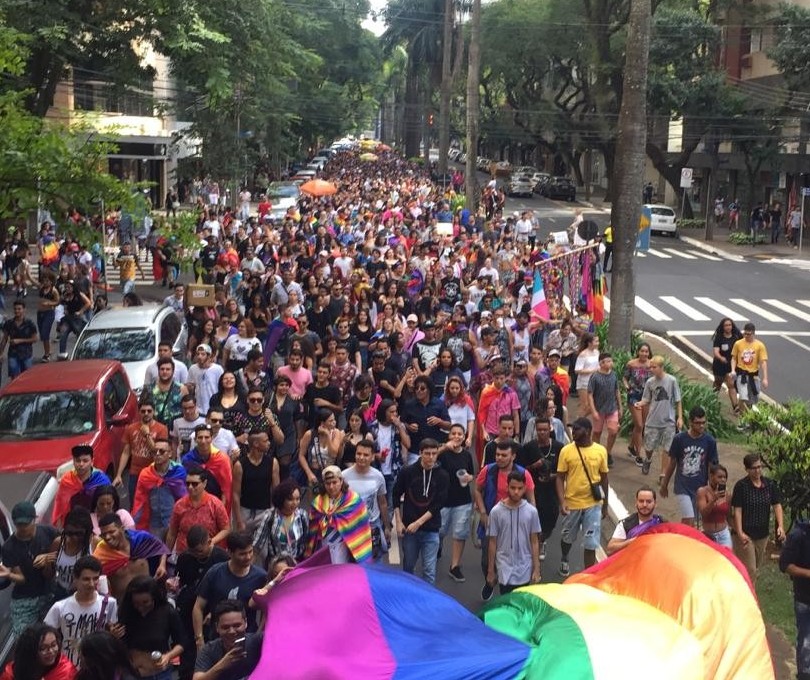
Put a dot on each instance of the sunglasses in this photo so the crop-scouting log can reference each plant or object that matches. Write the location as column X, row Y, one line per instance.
column 420, row 388
column 216, row 420
column 147, row 410
column 256, row 400
column 194, row 484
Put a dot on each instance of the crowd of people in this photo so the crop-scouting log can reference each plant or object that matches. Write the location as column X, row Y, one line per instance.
column 360, row 375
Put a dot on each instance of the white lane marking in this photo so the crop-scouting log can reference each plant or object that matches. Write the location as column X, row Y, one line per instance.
column 751, row 307
column 649, row 310
column 804, row 316
column 705, row 256
column 680, row 253
column 721, row 309
column 640, row 254
column 771, row 334
column 653, row 251
column 796, row 342
column 806, row 303
column 684, row 308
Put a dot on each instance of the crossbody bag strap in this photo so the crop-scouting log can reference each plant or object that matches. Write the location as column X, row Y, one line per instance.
column 584, row 467
column 102, row 615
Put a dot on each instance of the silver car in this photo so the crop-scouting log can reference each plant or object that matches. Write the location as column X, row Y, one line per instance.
column 131, row 336
column 521, row 186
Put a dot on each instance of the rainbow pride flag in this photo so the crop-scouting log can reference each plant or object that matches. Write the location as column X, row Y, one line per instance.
column 670, row 606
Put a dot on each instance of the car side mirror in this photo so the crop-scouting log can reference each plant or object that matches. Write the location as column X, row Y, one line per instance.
column 119, row 419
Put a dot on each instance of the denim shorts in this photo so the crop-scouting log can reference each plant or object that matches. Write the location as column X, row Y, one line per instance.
column 590, row 520
column 456, row 522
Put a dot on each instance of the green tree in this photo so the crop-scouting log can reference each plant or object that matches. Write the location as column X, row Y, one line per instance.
column 43, row 163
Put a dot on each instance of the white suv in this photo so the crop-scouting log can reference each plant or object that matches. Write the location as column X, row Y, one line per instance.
column 131, row 335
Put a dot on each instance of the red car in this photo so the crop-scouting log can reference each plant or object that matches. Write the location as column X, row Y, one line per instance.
column 51, row 408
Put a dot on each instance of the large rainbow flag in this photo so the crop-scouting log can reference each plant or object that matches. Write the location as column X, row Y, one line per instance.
column 670, row 606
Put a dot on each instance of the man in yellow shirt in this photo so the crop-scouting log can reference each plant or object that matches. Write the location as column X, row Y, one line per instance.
column 128, row 264
column 582, row 489
column 749, row 367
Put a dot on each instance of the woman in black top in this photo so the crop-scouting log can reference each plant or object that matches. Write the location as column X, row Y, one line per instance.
column 150, row 624
column 289, row 412
column 229, row 399
column 725, row 335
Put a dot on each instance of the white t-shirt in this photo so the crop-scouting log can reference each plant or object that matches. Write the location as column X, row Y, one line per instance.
column 368, row 486
column 182, row 430
column 180, row 373
column 461, row 414
column 238, row 347
column 206, row 381
column 384, row 434
column 75, row 621
column 344, row 264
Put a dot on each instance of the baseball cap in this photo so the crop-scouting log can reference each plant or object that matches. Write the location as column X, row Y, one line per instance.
column 332, row 471
column 494, row 357
column 412, row 317
column 323, row 253
column 486, row 314
column 23, row 513
column 554, row 353
column 205, row 348
column 429, row 324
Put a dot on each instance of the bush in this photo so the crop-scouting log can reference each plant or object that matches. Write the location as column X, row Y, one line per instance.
column 691, row 224
column 743, row 239
column 781, row 435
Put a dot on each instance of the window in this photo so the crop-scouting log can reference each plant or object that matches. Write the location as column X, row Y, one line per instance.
column 122, row 344
column 113, row 401
column 47, row 415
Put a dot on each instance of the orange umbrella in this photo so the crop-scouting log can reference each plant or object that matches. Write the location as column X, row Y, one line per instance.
column 318, row 187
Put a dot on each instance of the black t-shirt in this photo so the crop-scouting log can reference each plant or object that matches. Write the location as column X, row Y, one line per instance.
column 154, row 631
column 208, row 257
column 452, row 463
column 532, row 452
column 190, row 570
column 426, row 352
column 25, row 331
column 330, row 393
column 17, row 553
column 389, row 376
column 451, row 290
column 210, row 655
column 756, row 505
column 352, row 344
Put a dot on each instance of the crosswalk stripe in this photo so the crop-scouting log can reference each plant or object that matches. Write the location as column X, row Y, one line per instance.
column 721, row 309
column 653, row 251
column 681, row 306
column 640, row 254
column 680, row 253
column 705, row 256
column 751, row 307
column 650, row 310
column 806, row 303
column 804, row 316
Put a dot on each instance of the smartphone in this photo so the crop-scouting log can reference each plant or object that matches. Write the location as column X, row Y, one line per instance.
column 721, row 488
column 239, row 643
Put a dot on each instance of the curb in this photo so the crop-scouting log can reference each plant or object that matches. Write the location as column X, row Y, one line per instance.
column 702, row 245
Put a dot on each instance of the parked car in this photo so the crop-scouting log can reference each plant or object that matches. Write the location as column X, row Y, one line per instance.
column 662, row 219
column 453, row 154
column 282, row 195
column 462, row 157
column 559, row 188
column 483, row 163
column 131, row 335
column 500, row 168
column 48, row 410
column 520, row 186
column 319, row 162
column 523, row 170
column 539, row 179
column 304, row 175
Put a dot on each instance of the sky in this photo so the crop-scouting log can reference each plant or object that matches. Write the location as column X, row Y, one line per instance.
column 376, row 27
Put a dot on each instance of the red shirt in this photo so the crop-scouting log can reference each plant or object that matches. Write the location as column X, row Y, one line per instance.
column 502, row 488
column 210, row 513
column 264, row 208
column 140, row 455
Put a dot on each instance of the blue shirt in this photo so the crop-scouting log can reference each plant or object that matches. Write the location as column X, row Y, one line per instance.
column 414, row 411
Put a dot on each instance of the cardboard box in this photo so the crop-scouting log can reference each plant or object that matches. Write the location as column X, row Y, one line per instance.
column 199, row 296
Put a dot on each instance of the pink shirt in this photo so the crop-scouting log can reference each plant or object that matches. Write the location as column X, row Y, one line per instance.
column 504, row 404
column 300, row 379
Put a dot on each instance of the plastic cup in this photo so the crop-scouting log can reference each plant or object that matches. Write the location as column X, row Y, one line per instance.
column 462, row 477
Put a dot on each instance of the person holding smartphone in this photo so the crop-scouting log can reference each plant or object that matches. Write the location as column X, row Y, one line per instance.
column 713, row 506
column 235, row 653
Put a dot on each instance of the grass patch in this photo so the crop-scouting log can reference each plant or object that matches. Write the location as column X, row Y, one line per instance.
column 775, row 593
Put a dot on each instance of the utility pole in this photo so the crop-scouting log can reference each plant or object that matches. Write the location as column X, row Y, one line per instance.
column 447, row 83
column 629, row 172
column 473, row 82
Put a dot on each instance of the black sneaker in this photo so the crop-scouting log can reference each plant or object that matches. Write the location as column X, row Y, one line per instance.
column 639, row 461
column 456, row 575
column 610, row 461
column 645, row 466
column 486, row 592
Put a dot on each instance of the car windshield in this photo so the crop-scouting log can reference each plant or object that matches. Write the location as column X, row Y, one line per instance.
column 47, row 415
column 666, row 212
column 283, row 191
column 123, row 344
